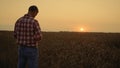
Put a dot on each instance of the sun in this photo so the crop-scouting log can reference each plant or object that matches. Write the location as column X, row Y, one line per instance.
column 82, row 29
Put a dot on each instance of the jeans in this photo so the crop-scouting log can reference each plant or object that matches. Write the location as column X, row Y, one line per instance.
column 27, row 55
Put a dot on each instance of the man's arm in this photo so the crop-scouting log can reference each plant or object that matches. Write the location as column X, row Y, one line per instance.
column 38, row 34
column 15, row 31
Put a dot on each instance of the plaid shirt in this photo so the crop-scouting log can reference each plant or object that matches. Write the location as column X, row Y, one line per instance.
column 27, row 31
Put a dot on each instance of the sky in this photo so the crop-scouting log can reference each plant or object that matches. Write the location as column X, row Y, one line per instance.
column 65, row 15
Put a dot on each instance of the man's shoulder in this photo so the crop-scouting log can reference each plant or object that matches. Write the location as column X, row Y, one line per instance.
column 35, row 21
column 19, row 19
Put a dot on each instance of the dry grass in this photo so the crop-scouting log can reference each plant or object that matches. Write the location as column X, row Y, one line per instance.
column 67, row 50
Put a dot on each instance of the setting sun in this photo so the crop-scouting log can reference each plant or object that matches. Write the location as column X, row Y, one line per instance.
column 82, row 29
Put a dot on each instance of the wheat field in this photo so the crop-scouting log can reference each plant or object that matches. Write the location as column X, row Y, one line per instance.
column 67, row 50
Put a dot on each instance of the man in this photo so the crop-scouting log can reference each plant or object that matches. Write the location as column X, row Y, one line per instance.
column 27, row 32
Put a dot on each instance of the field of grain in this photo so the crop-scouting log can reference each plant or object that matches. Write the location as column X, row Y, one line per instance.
column 67, row 50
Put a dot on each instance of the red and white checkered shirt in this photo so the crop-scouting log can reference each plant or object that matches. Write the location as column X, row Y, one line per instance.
column 27, row 31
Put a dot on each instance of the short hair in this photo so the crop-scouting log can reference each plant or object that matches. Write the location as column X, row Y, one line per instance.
column 33, row 8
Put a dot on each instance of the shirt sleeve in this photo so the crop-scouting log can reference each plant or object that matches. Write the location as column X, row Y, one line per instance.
column 37, row 31
column 15, row 31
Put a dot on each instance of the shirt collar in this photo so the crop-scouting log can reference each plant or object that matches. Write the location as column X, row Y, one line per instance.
column 28, row 15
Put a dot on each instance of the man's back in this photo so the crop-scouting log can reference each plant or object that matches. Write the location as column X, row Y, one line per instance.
column 26, row 28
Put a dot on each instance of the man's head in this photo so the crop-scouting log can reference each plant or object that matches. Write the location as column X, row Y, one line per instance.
column 33, row 10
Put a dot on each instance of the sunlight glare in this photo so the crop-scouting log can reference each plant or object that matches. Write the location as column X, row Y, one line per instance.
column 82, row 29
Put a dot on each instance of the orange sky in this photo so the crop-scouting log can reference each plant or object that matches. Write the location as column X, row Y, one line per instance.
column 65, row 15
